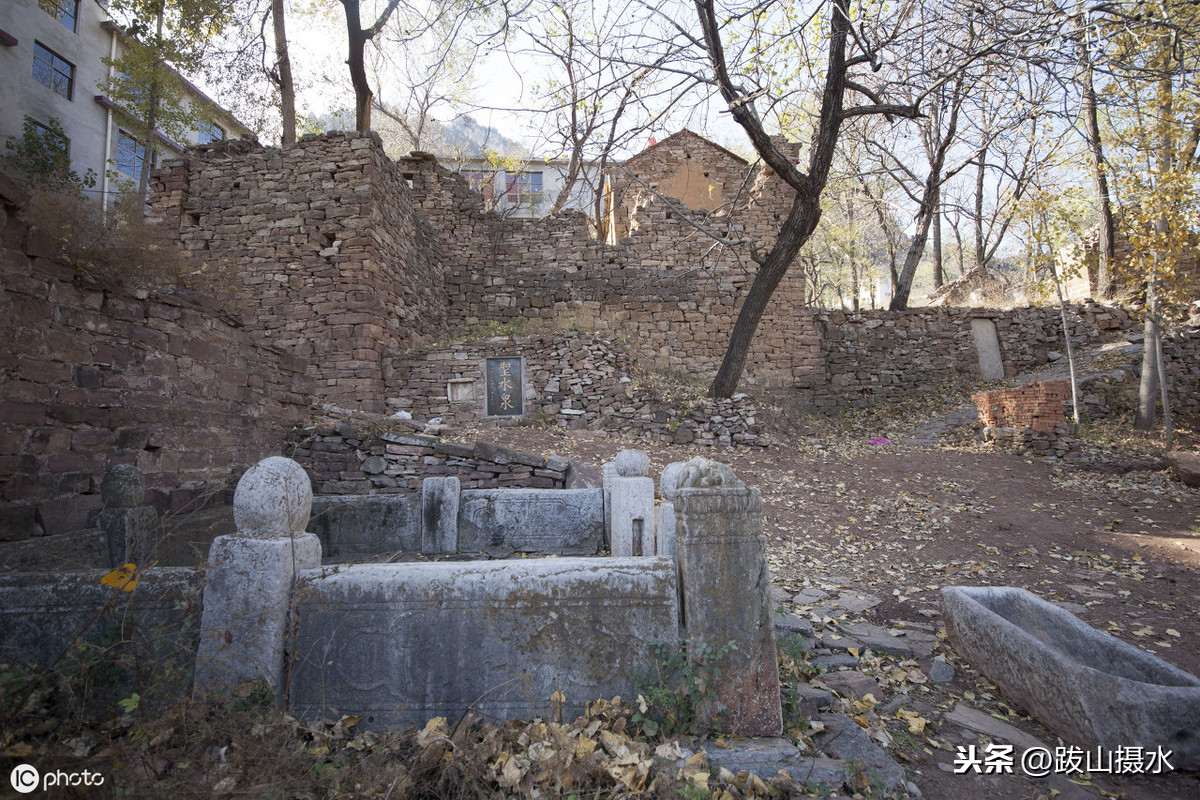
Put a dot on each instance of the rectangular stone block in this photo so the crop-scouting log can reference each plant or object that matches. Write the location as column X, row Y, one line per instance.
column 439, row 515
column 500, row 522
column 400, row 643
column 356, row 526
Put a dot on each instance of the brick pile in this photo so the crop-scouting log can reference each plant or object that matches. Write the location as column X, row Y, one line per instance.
column 1030, row 418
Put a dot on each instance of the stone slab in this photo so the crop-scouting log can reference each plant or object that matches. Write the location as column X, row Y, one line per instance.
column 501, row 522
column 400, row 643
column 766, row 757
column 843, row 738
column 439, row 515
column 1087, row 686
column 975, row 720
column 41, row 614
column 357, row 526
column 852, row 684
column 631, row 521
column 726, row 594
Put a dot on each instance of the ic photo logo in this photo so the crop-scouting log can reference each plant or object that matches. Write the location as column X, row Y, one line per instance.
column 25, row 778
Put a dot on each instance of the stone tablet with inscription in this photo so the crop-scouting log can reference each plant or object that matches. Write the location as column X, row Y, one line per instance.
column 500, row 522
column 505, row 388
column 401, row 643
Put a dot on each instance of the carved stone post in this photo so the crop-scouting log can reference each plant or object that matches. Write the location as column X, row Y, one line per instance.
column 244, row 625
column 132, row 530
column 632, row 501
column 726, row 596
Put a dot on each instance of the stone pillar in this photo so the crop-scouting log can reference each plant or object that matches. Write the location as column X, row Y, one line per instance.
column 668, row 485
column 132, row 530
column 251, row 576
column 726, row 596
column 439, row 515
column 631, row 526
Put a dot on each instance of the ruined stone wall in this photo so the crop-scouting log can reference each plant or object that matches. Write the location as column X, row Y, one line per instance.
column 668, row 290
column 572, row 379
column 317, row 245
column 346, row 458
column 94, row 374
column 873, row 357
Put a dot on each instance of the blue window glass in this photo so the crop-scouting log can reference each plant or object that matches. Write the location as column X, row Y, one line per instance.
column 209, row 132
column 65, row 11
column 130, row 155
column 53, row 71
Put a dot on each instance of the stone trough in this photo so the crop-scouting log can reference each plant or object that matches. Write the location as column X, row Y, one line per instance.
column 1085, row 685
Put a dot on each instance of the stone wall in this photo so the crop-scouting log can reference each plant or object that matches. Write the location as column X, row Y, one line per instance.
column 391, row 456
column 320, row 246
column 573, row 379
column 871, row 357
column 94, row 373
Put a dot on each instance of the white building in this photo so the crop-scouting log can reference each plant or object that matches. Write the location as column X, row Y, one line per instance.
column 526, row 189
column 51, row 67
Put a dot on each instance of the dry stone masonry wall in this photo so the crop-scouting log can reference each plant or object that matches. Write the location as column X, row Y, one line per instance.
column 95, row 374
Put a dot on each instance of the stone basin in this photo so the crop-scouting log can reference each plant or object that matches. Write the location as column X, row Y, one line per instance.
column 1086, row 685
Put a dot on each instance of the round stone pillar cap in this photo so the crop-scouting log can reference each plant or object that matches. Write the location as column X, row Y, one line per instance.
column 632, row 463
column 123, row 487
column 273, row 499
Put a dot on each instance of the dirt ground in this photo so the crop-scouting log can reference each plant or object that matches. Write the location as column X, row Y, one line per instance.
column 899, row 522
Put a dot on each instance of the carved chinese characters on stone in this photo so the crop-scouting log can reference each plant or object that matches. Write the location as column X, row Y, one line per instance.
column 504, row 387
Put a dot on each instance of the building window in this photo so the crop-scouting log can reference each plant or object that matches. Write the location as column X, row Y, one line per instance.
column 524, row 189
column 209, row 132
column 130, row 155
column 481, row 182
column 65, row 11
column 52, row 70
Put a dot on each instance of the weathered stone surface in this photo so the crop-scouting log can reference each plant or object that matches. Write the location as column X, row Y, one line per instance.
column 844, row 739
column 631, row 522
column 852, row 684
column 273, row 498
column 975, row 720
column 1089, row 687
column 357, row 526
column 1186, row 466
column 726, row 595
column 243, row 629
column 582, row 476
column 668, row 482
column 123, row 486
column 790, row 623
column 941, row 672
column 503, row 521
column 41, row 614
column 400, row 643
column 439, row 515
column 665, row 530
column 132, row 534
column 767, row 756
column 879, row 639
column 700, row 473
column 632, row 463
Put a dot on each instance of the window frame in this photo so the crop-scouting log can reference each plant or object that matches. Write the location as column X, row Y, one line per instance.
column 519, row 189
column 138, row 152
column 51, row 69
column 60, row 11
column 208, row 129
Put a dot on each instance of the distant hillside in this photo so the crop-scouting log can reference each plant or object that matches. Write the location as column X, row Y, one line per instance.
column 459, row 138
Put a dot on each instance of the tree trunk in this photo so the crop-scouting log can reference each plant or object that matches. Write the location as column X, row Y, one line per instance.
column 799, row 226
column 358, row 70
column 1148, row 385
column 980, row 174
column 287, row 89
column 938, row 273
column 151, row 118
column 1102, row 283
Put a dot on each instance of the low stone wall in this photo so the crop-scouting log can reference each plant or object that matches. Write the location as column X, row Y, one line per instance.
column 1181, row 355
column 574, row 379
column 385, row 456
column 1031, row 418
column 873, row 357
